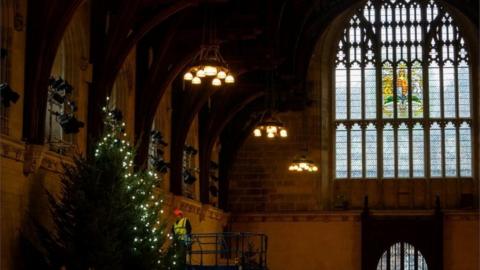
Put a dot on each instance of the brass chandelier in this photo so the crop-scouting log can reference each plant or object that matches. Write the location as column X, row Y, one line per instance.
column 302, row 164
column 209, row 65
column 269, row 125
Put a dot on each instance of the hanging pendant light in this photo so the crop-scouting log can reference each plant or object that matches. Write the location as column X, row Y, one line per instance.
column 302, row 164
column 208, row 64
column 269, row 125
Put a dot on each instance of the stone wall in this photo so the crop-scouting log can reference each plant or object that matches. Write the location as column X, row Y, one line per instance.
column 332, row 240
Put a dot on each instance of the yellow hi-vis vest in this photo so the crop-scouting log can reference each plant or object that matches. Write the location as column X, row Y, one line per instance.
column 180, row 229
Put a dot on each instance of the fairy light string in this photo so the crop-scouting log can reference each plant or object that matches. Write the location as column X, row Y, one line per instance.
column 143, row 189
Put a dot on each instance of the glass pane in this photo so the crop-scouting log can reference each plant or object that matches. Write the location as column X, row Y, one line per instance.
column 422, row 263
column 450, row 150
column 418, row 151
column 417, row 90
column 356, row 151
column 388, row 152
column 435, row 150
column 341, row 93
column 465, row 150
column 341, row 151
column 402, row 91
column 449, row 91
column 355, row 92
column 434, row 90
column 403, row 151
column 371, row 151
column 395, row 257
column 370, row 92
column 387, row 90
column 408, row 257
column 382, row 263
column 463, row 90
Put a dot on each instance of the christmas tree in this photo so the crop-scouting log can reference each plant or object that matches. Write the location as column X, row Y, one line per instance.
column 108, row 216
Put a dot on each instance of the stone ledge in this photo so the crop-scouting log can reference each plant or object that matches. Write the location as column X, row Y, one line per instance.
column 196, row 208
column 13, row 149
column 348, row 216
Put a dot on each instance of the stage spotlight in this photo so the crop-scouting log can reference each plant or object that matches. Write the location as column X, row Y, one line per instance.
column 8, row 95
column 73, row 106
column 157, row 138
column 188, row 178
column 69, row 123
column 58, row 98
column 56, row 84
column 213, row 165
column 68, row 88
column 213, row 191
column 190, row 150
column 160, row 165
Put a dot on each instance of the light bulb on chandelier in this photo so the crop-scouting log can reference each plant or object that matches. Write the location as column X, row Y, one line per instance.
column 188, row 76
column 216, row 82
column 221, row 75
column 196, row 80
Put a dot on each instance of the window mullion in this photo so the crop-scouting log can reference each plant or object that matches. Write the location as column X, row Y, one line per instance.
column 379, row 103
column 349, row 150
column 395, row 149
column 457, row 123
column 348, row 66
column 409, row 85
column 409, row 25
column 363, row 125
column 442, row 116
column 364, row 152
column 426, row 104
column 394, row 45
column 410, row 146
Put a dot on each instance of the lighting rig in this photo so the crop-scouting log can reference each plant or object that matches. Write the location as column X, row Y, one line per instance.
column 59, row 96
column 157, row 145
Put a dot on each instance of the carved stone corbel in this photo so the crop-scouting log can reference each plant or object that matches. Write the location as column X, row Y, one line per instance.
column 33, row 158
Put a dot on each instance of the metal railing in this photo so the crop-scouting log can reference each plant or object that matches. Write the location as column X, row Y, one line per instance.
column 235, row 250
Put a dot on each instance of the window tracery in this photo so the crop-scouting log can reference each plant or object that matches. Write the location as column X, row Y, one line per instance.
column 402, row 93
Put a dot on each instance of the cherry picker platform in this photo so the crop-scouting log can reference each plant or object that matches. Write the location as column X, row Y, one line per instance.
column 227, row 251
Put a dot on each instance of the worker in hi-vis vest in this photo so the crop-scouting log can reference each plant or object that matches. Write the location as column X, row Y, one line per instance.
column 181, row 227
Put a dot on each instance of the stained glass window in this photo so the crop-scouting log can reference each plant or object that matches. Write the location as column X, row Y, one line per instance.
column 402, row 256
column 402, row 93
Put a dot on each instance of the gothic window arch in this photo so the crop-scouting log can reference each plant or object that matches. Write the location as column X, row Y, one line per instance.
column 400, row 256
column 402, row 94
